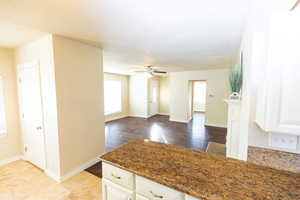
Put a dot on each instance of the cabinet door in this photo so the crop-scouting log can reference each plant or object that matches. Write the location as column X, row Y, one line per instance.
column 284, row 74
column 111, row 191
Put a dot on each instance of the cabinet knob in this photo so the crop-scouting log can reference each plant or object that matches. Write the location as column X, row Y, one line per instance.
column 115, row 176
column 156, row 195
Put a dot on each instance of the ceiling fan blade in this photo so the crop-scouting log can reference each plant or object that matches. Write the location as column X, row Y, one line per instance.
column 296, row 4
column 140, row 71
column 159, row 72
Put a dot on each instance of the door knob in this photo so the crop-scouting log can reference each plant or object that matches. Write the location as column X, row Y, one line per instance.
column 38, row 128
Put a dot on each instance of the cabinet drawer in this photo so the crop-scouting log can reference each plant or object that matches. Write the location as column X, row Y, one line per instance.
column 118, row 175
column 156, row 191
column 139, row 197
column 188, row 197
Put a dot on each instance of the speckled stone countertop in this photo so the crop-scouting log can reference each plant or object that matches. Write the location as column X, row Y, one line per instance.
column 204, row 175
column 273, row 158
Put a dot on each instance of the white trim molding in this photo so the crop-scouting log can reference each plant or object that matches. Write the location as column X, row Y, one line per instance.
column 52, row 175
column 72, row 172
column 216, row 125
column 164, row 114
column 235, row 141
column 178, row 120
column 140, row 116
column 10, row 160
column 116, row 118
column 79, row 169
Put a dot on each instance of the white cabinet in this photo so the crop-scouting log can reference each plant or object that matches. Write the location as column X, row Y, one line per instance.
column 188, row 197
column 140, row 197
column 278, row 97
column 156, row 191
column 118, row 176
column 111, row 191
column 119, row 184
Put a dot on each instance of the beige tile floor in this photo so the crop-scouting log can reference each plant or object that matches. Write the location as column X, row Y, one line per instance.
column 22, row 181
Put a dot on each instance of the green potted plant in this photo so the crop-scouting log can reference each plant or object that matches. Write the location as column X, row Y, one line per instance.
column 236, row 81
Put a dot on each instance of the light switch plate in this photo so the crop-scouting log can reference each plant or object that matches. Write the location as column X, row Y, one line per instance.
column 283, row 141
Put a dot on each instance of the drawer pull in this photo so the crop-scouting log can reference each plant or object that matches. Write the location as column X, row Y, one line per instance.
column 115, row 176
column 156, row 195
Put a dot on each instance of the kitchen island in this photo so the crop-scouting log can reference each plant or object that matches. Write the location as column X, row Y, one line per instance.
column 151, row 170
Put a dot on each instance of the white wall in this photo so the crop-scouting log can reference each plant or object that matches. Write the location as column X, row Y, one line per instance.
column 10, row 143
column 255, row 55
column 79, row 88
column 217, row 86
column 72, row 95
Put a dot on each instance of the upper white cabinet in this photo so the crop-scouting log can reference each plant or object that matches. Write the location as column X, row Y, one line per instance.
column 278, row 100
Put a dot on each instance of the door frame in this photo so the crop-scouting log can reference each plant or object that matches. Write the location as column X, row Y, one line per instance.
column 20, row 67
column 191, row 97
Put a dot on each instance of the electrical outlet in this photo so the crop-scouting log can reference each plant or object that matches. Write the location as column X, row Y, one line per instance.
column 283, row 141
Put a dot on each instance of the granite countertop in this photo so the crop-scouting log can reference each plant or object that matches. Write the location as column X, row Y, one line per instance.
column 203, row 175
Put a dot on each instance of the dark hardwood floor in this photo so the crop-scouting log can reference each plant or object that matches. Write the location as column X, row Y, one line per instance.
column 194, row 135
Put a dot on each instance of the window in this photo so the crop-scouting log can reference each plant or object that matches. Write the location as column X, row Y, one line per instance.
column 2, row 111
column 112, row 97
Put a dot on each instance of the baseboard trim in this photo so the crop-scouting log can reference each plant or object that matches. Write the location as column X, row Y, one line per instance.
column 10, row 160
column 164, row 114
column 179, row 120
column 53, row 175
column 140, row 116
column 80, row 169
column 116, row 118
column 72, row 172
column 216, row 125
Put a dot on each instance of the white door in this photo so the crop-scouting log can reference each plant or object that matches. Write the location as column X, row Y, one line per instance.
column 111, row 191
column 153, row 100
column 32, row 114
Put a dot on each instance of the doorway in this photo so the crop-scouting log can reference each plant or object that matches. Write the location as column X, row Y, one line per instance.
column 32, row 114
column 197, row 99
column 153, row 97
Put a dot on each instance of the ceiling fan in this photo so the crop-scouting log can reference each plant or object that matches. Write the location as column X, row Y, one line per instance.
column 296, row 4
column 150, row 70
